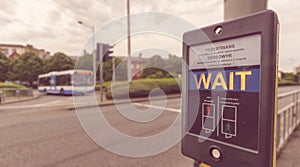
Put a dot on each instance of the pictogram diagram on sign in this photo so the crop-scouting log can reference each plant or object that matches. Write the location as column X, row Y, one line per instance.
column 208, row 117
column 229, row 121
column 225, row 112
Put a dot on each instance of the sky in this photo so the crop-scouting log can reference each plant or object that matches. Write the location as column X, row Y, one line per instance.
column 53, row 24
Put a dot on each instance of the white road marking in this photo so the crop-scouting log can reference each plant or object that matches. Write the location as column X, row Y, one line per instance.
column 43, row 105
column 157, row 107
column 47, row 104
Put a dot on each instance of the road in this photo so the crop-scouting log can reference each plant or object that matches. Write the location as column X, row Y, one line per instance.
column 43, row 132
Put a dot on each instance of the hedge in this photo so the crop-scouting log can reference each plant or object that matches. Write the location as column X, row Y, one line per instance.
column 287, row 83
column 142, row 87
column 11, row 85
column 105, row 86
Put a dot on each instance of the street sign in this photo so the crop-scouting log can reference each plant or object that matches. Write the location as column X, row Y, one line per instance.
column 230, row 92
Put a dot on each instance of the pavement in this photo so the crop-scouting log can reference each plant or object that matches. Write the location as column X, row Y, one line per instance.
column 16, row 99
column 289, row 157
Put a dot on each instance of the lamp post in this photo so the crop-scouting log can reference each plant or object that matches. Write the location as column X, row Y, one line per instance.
column 93, row 52
column 129, row 43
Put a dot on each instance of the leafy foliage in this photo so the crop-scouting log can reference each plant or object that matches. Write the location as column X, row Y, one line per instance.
column 27, row 67
column 290, row 77
column 120, row 67
column 155, row 64
column 11, row 85
column 85, row 62
column 4, row 66
column 174, row 64
column 142, row 88
column 157, row 67
column 58, row 62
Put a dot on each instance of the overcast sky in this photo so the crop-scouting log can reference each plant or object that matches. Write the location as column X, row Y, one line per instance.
column 52, row 24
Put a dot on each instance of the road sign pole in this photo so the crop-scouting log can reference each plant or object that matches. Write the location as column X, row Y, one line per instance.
column 101, row 70
column 113, row 70
column 237, row 8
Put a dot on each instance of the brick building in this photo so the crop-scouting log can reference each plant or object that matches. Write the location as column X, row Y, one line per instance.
column 12, row 51
column 137, row 66
column 297, row 69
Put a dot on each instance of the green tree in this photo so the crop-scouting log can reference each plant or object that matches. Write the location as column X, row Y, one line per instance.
column 85, row 62
column 173, row 64
column 11, row 75
column 155, row 64
column 58, row 62
column 4, row 65
column 298, row 76
column 27, row 67
column 290, row 77
column 120, row 66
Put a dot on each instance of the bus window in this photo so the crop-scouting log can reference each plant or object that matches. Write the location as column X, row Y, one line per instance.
column 82, row 80
column 44, row 81
column 63, row 80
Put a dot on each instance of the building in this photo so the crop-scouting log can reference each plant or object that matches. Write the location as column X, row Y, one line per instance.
column 12, row 51
column 297, row 69
column 137, row 66
column 14, row 56
column 280, row 73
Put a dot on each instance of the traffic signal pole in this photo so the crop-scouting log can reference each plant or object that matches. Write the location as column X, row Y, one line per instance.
column 103, row 52
column 237, row 8
column 101, row 72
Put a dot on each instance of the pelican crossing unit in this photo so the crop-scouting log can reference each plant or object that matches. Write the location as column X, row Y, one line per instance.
column 230, row 92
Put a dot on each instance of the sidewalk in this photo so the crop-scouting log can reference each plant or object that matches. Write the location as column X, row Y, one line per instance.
column 290, row 154
column 107, row 102
column 15, row 99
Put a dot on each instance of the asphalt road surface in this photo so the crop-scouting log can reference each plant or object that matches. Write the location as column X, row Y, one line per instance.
column 43, row 132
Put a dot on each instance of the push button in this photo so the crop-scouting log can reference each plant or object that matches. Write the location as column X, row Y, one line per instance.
column 215, row 153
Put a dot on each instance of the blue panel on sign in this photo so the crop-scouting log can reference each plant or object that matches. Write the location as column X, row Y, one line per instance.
column 241, row 80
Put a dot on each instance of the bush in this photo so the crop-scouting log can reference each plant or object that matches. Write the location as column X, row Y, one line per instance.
column 9, row 89
column 142, row 88
column 158, row 74
column 287, row 83
column 105, row 86
column 11, row 85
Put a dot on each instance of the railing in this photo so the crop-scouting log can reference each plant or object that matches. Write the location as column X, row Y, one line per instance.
column 7, row 93
column 288, row 117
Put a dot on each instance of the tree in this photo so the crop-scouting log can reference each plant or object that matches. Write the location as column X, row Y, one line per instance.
column 155, row 64
column 27, row 67
column 173, row 64
column 120, row 67
column 58, row 62
column 4, row 65
column 290, row 77
column 85, row 62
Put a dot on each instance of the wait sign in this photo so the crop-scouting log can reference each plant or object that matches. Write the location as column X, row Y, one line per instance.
column 230, row 92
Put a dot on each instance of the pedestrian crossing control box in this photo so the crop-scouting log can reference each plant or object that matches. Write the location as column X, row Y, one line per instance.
column 230, row 91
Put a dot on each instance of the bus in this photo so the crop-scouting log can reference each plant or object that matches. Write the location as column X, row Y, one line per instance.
column 69, row 82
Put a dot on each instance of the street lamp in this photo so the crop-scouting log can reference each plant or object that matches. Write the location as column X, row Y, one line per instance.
column 93, row 52
column 129, row 43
